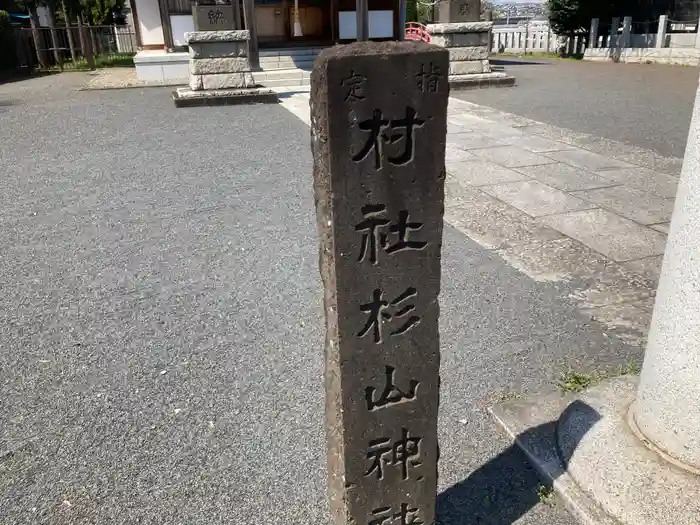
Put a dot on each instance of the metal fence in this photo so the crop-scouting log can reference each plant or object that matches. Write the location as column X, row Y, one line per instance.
column 71, row 47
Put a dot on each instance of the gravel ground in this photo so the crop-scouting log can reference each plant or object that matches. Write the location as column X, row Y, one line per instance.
column 644, row 105
column 117, row 78
column 161, row 333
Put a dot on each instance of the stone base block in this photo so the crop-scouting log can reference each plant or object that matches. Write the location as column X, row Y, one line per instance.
column 460, row 39
column 210, row 66
column 468, row 53
column 480, row 81
column 185, row 97
column 469, row 67
column 461, row 34
column 239, row 35
column 587, row 446
column 222, row 81
column 218, row 49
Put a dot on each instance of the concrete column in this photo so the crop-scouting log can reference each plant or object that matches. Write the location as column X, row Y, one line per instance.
column 626, row 31
column 593, row 35
column 661, row 32
column 614, row 26
column 667, row 409
column 697, row 36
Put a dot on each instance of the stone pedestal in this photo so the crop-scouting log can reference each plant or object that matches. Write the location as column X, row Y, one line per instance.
column 469, row 45
column 220, row 71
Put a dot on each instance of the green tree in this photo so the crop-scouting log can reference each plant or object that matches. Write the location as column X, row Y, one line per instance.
column 569, row 16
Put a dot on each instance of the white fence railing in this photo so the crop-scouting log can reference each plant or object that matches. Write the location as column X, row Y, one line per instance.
column 533, row 37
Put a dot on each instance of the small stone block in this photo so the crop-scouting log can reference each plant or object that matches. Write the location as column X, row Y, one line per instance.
column 378, row 144
column 239, row 35
column 218, row 49
column 225, row 80
column 460, row 27
column 469, row 53
column 208, row 66
column 481, row 81
column 466, row 67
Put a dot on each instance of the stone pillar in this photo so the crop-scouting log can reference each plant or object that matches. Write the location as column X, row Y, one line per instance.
column 697, row 36
column 626, row 32
column 661, row 32
column 593, row 35
column 459, row 11
column 667, row 409
column 378, row 144
column 614, row 28
column 469, row 44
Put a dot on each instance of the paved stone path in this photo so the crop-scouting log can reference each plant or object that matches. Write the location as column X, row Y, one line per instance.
column 559, row 205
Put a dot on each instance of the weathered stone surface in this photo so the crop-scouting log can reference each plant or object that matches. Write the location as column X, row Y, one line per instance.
column 218, row 49
column 466, row 67
column 213, row 17
column 379, row 170
column 240, row 35
column 460, row 39
column 460, row 27
column 486, row 66
column 208, row 66
column 196, row 82
column 184, row 97
column 469, row 53
column 221, row 81
column 459, row 10
column 481, row 80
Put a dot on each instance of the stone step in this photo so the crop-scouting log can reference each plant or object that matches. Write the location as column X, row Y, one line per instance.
column 282, row 77
column 291, row 52
column 287, row 63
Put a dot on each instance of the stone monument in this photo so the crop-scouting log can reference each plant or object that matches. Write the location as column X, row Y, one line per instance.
column 378, row 131
column 459, row 11
column 220, row 71
column 469, row 43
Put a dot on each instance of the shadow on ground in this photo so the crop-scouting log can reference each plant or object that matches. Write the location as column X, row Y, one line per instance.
column 20, row 76
column 517, row 62
column 503, row 490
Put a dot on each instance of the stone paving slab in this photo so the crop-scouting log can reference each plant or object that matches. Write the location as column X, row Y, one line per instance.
column 587, row 160
column 537, row 199
column 565, row 177
column 511, row 156
column 644, row 179
column 471, row 140
column 663, row 227
column 536, row 144
column 479, row 172
column 615, row 237
column 649, row 267
column 642, row 207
